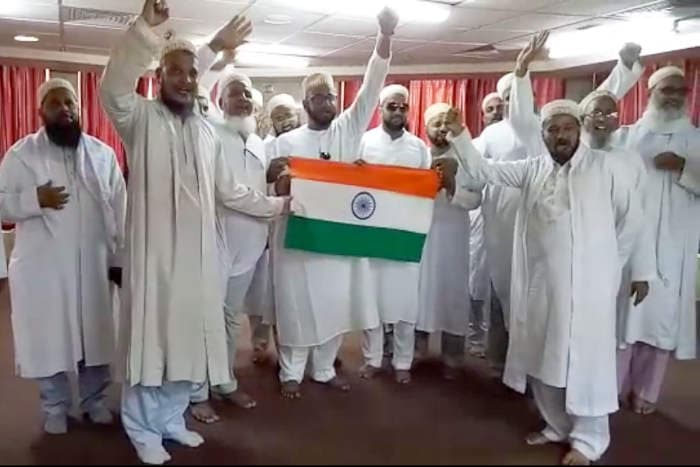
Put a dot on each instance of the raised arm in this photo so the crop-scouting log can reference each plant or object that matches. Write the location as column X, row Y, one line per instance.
column 480, row 170
column 358, row 116
column 225, row 41
column 128, row 61
column 626, row 73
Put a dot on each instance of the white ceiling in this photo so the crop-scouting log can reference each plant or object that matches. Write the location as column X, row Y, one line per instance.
column 498, row 27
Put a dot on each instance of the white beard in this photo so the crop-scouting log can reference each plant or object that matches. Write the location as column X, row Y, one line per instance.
column 665, row 120
column 246, row 125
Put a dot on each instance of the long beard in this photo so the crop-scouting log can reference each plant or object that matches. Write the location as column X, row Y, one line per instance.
column 246, row 125
column 65, row 136
column 666, row 115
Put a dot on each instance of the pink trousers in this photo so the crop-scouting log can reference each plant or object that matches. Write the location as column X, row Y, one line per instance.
column 640, row 370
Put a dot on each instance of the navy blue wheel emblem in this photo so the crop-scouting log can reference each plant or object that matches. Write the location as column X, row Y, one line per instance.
column 363, row 205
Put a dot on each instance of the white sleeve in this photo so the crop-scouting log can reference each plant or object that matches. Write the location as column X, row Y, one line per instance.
column 690, row 177
column 621, row 79
column 118, row 203
column 521, row 114
column 484, row 171
column 18, row 199
column 206, row 58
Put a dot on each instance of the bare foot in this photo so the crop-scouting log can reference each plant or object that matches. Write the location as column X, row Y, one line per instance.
column 449, row 373
column 574, row 457
column 402, row 376
column 203, row 412
column 338, row 383
column 240, row 399
column 536, row 439
column 291, row 390
column 368, row 371
column 642, row 407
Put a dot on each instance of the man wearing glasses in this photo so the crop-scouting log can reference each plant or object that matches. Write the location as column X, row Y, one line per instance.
column 668, row 144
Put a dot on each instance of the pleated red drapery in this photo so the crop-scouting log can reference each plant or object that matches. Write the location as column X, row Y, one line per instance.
column 19, row 111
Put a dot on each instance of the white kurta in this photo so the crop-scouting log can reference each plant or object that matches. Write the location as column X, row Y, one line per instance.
column 319, row 297
column 667, row 318
column 563, row 291
column 479, row 279
column 172, row 325
column 270, row 147
column 61, row 296
column 444, row 276
column 509, row 140
column 396, row 281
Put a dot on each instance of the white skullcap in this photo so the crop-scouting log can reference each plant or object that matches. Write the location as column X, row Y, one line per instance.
column 228, row 78
column 663, row 73
column 560, row 107
column 317, row 79
column 504, row 84
column 257, row 98
column 583, row 105
column 391, row 90
column 489, row 97
column 178, row 44
column 435, row 110
column 282, row 100
column 55, row 83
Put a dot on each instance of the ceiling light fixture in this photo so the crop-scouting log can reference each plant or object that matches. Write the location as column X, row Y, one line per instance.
column 413, row 11
column 278, row 20
column 271, row 60
column 24, row 38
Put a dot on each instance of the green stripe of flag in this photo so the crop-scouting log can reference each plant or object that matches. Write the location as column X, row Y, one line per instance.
column 335, row 238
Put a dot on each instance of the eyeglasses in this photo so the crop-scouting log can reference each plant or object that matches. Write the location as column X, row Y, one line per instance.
column 320, row 99
column 597, row 114
column 391, row 107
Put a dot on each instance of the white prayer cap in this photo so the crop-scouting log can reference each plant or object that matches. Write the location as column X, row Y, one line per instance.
column 55, row 83
column 435, row 110
column 663, row 73
column 583, row 105
column 257, row 98
column 228, row 78
column 489, row 97
column 391, row 90
column 282, row 100
column 178, row 44
column 317, row 79
column 504, row 84
column 560, row 107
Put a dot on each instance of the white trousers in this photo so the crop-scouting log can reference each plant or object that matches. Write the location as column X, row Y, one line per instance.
column 292, row 361
column 403, row 346
column 236, row 290
column 57, row 396
column 588, row 435
column 153, row 414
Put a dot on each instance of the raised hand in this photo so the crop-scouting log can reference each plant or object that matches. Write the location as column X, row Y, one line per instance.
column 453, row 121
column 155, row 12
column 232, row 35
column 630, row 53
column 530, row 52
column 388, row 20
column 52, row 197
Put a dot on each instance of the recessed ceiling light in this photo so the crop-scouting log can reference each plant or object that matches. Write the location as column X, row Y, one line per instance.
column 23, row 38
column 278, row 20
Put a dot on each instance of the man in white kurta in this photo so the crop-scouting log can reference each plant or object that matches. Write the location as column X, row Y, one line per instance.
column 666, row 322
column 517, row 135
column 576, row 225
column 173, row 332
column 319, row 297
column 285, row 115
column 66, row 195
column 444, row 304
column 396, row 282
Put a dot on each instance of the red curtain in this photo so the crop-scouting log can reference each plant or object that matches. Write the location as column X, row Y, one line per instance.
column 465, row 93
column 95, row 121
column 19, row 115
column 632, row 106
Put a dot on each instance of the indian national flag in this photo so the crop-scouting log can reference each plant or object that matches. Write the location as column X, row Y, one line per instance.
column 373, row 211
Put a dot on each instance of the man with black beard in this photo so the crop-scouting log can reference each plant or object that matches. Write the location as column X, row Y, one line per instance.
column 65, row 192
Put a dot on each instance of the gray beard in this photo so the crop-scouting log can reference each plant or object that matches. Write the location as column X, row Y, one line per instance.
column 666, row 115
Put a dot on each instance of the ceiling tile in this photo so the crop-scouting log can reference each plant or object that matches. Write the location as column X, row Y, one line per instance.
column 335, row 24
column 90, row 37
column 593, row 7
column 518, row 5
column 127, row 6
column 321, row 42
column 533, row 22
column 488, row 35
column 29, row 10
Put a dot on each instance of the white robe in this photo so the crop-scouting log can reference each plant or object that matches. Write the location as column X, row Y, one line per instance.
column 566, row 272
column 270, row 147
column 61, row 296
column 444, row 303
column 172, row 324
column 319, row 297
column 396, row 281
column 509, row 140
column 479, row 279
column 667, row 318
